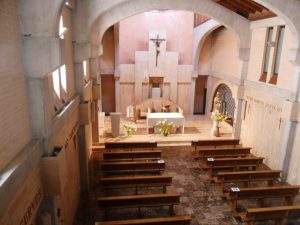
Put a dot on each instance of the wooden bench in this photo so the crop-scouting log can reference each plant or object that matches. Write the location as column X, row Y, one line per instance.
column 136, row 182
column 125, row 155
column 233, row 163
column 139, row 201
column 133, row 166
column 215, row 143
column 247, row 177
column 279, row 214
column 129, row 145
column 174, row 220
column 288, row 192
column 224, row 152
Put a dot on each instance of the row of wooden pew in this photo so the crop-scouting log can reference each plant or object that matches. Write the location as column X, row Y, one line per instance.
column 243, row 177
column 136, row 166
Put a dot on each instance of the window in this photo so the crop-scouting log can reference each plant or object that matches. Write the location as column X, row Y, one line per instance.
column 272, row 57
column 267, row 53
column 62, row 29
column 278, row 50
column 59, row 79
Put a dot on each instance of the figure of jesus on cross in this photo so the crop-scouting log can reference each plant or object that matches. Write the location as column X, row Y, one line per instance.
column 157, row 41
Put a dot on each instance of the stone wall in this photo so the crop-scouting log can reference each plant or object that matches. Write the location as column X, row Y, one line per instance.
column 15, row 131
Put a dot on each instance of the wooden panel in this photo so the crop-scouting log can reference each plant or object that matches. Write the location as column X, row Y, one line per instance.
column 176, row 220
column 200, row 95
column 85, row 113
column 108, row 93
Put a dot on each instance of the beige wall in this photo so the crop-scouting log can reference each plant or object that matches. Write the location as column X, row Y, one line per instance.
column 15, row 131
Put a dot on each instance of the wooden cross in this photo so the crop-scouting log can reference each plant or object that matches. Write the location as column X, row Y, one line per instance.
column 157, row 41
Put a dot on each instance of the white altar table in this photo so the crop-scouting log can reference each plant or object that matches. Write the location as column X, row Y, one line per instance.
column 177, row 118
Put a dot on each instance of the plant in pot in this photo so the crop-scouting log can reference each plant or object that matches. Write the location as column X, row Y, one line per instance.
column 165, row 127
column 217, row 118
column 130, row 129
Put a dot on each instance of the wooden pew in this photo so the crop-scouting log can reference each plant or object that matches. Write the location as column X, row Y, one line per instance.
column 224, row 152
column 129, row 145
column 279, row 214
column 233, row 163
column 132, row 155
column 133, row 166
column 215, row 142
column 139, row 201
column 288, row 192
column 174, row 220
column 247, row 177
column 136, row 182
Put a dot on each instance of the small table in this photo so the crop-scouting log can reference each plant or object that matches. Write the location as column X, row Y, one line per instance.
column 177, row 118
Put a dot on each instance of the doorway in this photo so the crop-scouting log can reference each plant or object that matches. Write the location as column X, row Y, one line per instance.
column 200, row 95
column 108, row 93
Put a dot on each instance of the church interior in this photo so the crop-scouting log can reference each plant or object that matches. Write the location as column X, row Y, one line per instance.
column 149, row 112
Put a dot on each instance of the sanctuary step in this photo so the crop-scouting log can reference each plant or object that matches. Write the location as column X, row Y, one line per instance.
column 138, row 201
column 129, row 145
column 131, row 155
column 278, row 214
column 174, row 220
column 136, row 182
column 287, row 192
column 234, row 163
column 216, row 142
column 247, row 177
column 133, row 166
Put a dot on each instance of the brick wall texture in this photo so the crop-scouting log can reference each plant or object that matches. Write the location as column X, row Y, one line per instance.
column 15, row 130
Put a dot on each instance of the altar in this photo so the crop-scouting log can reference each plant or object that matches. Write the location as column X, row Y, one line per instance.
column 175, row 117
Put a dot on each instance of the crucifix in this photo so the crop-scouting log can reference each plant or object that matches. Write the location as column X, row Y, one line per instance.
column 157, row 41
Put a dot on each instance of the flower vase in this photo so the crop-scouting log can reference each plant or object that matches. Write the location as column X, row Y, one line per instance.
column 216, row 129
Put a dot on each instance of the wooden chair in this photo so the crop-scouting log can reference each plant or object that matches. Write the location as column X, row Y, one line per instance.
column 234, row 164
column 174, row 220
column 247, row 177
column 215, row 143
column 288, row 192
column 133, row 155
column 133, row 166
column 279, row 214
column 136, row 182
column 224, row 152
column 129, row 145
column 139, row 201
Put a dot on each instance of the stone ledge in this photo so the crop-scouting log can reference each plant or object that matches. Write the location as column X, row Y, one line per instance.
column 17, row 171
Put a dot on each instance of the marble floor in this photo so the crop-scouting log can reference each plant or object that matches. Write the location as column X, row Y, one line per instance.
column 197, row 127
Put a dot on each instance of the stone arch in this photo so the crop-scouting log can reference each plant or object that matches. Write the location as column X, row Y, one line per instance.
column 201, row 33
column 224, row 96
column 98, row 23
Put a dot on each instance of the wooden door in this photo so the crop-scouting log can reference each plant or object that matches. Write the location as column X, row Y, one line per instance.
column 200, row 95
column 108, row 93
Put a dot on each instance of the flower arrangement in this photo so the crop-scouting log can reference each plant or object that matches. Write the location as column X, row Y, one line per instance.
column 218, row 117
column 165, row 127
column 130, row 130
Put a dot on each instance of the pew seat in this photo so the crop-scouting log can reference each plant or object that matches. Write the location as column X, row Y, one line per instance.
column 287, row 192
column 279, row 214
column 129, row 145
column 174, row 220
column 133, row 167
column 247, row 177
column 224, row 152
column 139, row 201
column 131, row 155
column 136, row 182
column 216, row 142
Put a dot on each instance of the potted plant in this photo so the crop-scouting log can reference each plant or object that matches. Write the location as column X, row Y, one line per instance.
column 165, row 127
column 130, row 129
column 217, row 118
